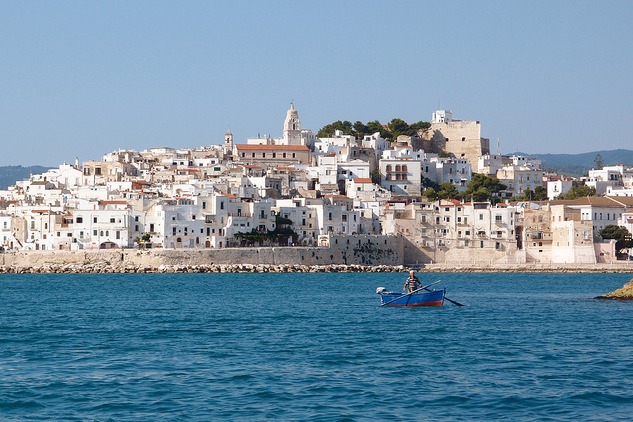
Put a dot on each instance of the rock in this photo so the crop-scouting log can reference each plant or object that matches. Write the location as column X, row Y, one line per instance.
column 623, row 293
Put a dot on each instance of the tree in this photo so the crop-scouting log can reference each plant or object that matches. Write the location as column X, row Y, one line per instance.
column 421, row 125
column 328, row 131
column 620, row 234
column 578, row 192
column 375, row 176
column 482, row 188
column 399, row 127
column 431, row 194
column 392, row 130
column 599, row 162
column 539, row 194
column 445, row 190
column 375, row 126
column 360, row 130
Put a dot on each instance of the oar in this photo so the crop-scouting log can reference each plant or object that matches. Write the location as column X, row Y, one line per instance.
column 452, row 301
column 409, row 294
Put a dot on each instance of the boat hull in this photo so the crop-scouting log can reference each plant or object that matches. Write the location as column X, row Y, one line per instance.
column 432, row 298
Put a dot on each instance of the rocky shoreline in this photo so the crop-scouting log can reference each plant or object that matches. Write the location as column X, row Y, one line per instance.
column 623, row 293
column 100, row 268
column 117, row 267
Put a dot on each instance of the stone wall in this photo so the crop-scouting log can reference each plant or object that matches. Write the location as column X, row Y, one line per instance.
column 362, row 250
column 462, row 138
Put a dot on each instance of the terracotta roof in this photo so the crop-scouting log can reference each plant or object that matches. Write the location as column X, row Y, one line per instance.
column 113, row 202
column 248, row 147
column 362, row 180
column 598, row 201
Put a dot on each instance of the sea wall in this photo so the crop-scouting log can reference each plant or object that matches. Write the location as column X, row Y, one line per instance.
column 341, row 252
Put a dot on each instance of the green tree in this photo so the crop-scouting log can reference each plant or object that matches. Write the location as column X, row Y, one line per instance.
column 445, row 190
column 399, row 127
column 360, row 130
column 375, row 126
column 599, row 162
column 327, row 131
column 538, row 194
column 375, row 176
column 483, row 188
column 578, row 192
column 421, row 125
column 428, row 183
column 620, row 234
column 431, row 194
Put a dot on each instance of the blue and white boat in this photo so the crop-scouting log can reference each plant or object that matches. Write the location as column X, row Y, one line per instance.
column 417, row 298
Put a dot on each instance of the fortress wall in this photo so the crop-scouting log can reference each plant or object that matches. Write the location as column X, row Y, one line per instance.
column 448, row 137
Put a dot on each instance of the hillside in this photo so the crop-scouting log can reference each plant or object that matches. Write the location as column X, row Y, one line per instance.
column 580, row 164
column 11, row 174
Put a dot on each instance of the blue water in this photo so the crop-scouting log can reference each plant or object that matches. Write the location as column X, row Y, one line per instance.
column 312, row 346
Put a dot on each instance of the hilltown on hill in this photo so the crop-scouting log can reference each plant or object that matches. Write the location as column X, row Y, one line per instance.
column 301, row 191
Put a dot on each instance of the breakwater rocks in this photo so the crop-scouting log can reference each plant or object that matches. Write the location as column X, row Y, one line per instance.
column 623, row 293
column 98, row 268
column 529, row 268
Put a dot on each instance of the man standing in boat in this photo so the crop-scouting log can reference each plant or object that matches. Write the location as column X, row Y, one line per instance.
column 412, row 284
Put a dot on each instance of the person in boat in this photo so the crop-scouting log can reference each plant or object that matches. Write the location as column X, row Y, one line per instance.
column 412, row 283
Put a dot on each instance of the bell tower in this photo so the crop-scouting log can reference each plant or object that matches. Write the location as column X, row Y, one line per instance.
column 228, row 142
column 292, row 127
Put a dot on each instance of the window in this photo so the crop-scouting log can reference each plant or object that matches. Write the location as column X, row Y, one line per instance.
column 498, row 219
column 94, row 219
column 80, row 219
column 111, row 220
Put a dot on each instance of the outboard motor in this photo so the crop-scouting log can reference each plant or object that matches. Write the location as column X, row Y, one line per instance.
column 381, row 290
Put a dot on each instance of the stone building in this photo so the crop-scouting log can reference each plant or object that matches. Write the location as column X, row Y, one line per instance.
column 459, row 137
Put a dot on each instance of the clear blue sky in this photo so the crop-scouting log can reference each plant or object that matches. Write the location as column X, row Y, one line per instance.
column 82, row 78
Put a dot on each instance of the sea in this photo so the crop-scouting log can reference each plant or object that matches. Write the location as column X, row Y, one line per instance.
column 313, row 346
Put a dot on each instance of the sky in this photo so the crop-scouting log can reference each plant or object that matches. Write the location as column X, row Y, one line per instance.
column 79, row 79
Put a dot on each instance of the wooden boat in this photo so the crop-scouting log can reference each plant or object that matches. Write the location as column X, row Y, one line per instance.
column 417, row 298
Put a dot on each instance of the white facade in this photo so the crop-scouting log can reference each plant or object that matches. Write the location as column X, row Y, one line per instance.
column 558, row 187
column 401, row 176
column 442, row 116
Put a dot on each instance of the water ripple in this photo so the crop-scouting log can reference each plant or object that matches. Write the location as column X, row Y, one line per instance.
column 130, row 347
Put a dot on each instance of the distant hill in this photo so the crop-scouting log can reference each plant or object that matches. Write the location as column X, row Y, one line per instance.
column 11, row 174
column 580, row 164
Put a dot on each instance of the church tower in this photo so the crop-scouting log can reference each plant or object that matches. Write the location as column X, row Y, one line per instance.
column 228, row 142
column 292, row 127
